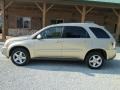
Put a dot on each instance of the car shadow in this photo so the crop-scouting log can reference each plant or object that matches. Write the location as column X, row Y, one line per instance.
column 110, row 67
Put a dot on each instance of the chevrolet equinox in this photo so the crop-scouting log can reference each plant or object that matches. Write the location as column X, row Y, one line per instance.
column 88, row 42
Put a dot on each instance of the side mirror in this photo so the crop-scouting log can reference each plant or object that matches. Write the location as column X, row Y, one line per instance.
column 39, row 37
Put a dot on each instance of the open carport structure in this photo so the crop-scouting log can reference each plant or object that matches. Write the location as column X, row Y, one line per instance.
column 35, row 14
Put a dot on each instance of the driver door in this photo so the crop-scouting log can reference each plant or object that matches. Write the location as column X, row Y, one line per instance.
column 50, row 44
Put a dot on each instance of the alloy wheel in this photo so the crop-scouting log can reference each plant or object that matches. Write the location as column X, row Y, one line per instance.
column 19, row 57
column 95, row 61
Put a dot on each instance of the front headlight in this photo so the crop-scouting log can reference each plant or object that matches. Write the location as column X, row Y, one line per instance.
column 7, row 43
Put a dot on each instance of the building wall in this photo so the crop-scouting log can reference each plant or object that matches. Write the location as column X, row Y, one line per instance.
column 104, row 17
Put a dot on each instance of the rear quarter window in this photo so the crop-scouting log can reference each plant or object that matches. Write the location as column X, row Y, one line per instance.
column 99, row 33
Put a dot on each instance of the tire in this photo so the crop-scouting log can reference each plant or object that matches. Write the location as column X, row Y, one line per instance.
column 20, row 56
column 95, row 60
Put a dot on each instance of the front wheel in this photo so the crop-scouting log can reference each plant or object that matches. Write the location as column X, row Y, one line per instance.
column 20, row 56
column 95, row 60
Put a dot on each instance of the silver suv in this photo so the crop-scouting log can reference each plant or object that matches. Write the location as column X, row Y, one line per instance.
column 84, row 41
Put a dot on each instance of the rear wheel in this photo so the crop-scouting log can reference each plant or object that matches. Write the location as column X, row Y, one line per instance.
column 20, row 56
column 95, row 60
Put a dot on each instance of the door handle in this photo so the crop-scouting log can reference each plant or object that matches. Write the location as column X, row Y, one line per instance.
column 59, row 41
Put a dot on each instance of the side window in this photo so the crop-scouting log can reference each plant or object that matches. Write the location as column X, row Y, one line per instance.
column 75, row 32
column 52, row 32
column 99, row 33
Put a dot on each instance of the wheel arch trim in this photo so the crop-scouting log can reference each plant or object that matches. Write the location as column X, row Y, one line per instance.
column 19, row 46
column 102, row 51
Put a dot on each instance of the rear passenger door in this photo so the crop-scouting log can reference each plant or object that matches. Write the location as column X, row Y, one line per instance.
column 74, row 41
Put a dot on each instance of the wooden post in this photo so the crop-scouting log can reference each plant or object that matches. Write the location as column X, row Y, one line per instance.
column 117, row 13
column 3, row 19
column 83, row 14
column 44, row 14
column 5, row 7
column 6, row 15
column 118, row 28
column 44, row 10
column 6, row 22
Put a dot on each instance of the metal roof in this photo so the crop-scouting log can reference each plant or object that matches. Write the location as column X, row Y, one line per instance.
column 105, row 3
column 101, row 1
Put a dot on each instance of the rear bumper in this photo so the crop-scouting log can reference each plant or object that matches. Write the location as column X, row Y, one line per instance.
column 111, row 54
column 4, row 51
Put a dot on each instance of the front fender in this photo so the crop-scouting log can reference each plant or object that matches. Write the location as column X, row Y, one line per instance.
column 15, row 44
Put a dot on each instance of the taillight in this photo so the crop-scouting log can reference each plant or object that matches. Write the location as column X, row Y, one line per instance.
column 114, row 45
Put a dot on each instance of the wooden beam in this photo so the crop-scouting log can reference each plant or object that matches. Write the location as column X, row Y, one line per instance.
column 78, row 9
column 89, row 10
column 49, row 8
column 3, row 19
column 9, row 4
column 115, row 11
column 37, row 4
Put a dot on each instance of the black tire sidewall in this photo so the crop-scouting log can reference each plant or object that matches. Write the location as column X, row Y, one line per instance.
column 89, row 56
column 25, row 52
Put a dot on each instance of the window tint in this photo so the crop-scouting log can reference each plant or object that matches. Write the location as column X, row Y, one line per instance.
column 99, row 33
column 75, row 32
column 53, row 32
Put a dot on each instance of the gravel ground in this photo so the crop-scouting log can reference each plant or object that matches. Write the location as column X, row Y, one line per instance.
column 59, row 75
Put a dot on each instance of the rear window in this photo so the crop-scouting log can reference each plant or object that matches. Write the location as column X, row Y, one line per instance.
column 99, row 33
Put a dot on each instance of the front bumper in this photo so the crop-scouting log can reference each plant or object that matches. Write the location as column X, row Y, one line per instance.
column 4, row 51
